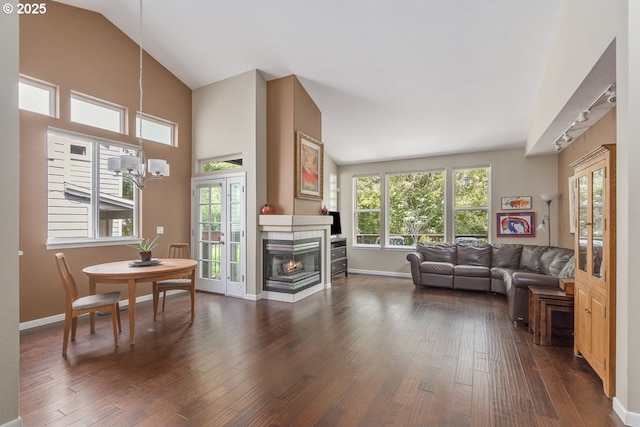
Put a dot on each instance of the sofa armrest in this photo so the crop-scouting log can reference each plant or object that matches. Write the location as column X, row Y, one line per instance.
column 522, row 279
column 415, row 258
column 518, row 293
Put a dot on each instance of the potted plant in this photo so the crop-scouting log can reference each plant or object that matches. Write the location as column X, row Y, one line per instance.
column 145, row 247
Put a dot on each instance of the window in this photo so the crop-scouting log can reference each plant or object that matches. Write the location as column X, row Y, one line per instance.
column 333, row 192
column 368, row 196
column 97, row 113
column 471, row 204
column 154, row 129
column 37, row 97
column 221, row 164
column 415, row 208
column 86, row 202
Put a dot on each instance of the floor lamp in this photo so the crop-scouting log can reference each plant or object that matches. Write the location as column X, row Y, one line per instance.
column 546, row 221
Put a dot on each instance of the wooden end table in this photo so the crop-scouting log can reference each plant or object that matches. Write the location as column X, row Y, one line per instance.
column 543, row 302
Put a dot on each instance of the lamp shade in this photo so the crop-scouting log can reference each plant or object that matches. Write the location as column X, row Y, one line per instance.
column 547, row 197
column 130, row 163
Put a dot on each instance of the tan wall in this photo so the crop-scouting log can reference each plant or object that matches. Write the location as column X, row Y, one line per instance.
column 289, row 109
column 82, row 51
column 602, row 132
column 9, row 218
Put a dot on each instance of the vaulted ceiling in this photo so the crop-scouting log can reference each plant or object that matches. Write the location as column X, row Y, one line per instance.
column 393, row 79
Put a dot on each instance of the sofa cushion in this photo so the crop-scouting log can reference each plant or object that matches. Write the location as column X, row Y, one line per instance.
column 569, row 269
column 553, row 260
column 436, row 267
column 530, row 258
column 474, row 255
column 439, row 252
column 471, row 270
column 506, row 255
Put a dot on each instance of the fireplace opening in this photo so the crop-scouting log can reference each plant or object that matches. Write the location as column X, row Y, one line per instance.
column 291, row 265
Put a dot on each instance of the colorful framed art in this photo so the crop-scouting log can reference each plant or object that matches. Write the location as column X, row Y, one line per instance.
column 516, row 224
column 309, row 166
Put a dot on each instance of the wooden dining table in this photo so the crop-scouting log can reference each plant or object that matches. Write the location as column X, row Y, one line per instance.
column 121, row 272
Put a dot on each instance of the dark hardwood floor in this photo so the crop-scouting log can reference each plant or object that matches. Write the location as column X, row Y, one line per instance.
column 371, row 351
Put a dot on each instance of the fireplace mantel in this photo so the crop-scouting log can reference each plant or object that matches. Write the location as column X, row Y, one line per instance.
column 293, row 222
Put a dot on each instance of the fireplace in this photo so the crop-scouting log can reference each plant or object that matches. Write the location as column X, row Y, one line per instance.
column 291, row 266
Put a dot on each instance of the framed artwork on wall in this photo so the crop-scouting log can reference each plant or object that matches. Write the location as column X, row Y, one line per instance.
column 515, row 203
column 309, row 166
column 516, row 224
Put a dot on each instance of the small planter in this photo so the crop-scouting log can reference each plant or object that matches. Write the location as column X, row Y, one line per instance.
column 145, row 256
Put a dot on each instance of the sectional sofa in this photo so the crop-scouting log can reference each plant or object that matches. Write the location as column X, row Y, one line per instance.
column 501, row 268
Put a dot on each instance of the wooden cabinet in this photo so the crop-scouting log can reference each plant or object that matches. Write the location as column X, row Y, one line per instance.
column 339, row 260
column 595, row 248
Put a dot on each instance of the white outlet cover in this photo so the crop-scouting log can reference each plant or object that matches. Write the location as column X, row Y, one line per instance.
column 159, row 230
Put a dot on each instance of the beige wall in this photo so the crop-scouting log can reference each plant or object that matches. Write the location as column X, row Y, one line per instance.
column 603, row 132
column 511, row 175
column 290, row 109
column 573, row 55
column 9, row 216
column 80, row 50
column 229, row 119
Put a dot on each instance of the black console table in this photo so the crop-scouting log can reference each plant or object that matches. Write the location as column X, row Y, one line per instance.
column 339, row 259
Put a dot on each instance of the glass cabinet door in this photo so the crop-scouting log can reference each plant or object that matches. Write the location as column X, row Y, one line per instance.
column 582, row 226
column 597, row 220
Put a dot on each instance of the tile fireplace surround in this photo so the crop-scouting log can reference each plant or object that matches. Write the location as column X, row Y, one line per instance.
column 298, row 227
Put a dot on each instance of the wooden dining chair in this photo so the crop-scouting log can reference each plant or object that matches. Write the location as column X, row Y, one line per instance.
column 176, row 250
column 77, row 306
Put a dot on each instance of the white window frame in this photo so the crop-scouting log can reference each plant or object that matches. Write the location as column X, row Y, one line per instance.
column 51, row 89
column 387, row 226
column 101, row 103
column 471, row 208
column 95, row 143
column 333, row 192
column 356, row 211
column 141, row 118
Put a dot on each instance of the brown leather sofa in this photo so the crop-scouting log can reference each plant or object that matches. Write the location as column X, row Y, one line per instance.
column 501, row 268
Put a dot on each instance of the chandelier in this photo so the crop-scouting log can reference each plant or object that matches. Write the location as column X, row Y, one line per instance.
column 134, row 167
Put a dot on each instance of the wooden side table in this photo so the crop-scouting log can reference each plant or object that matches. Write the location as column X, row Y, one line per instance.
column 543, row 302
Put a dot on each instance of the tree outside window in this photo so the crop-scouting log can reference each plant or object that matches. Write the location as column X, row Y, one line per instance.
column 367, row 209
column 416, row 208
column 471, row 204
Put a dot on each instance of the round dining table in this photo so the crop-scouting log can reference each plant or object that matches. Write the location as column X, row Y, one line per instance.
column 132, row 273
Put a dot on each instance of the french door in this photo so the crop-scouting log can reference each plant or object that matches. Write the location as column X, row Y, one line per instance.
column 218, row 233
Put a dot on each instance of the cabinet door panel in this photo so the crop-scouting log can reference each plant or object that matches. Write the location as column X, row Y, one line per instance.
column 598, row 333
column 583, row 335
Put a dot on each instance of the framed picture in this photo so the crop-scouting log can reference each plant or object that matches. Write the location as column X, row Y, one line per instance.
column 515, row 203
column 572, row 204
column 309, row 166
column 516, row 224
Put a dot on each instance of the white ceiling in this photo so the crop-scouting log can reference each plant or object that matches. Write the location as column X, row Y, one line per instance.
column 393, row 79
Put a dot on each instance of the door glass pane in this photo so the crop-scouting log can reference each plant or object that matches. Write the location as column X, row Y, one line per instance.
column 582, row 222
column 235, row 232
column 209, row 232
column 598, row 222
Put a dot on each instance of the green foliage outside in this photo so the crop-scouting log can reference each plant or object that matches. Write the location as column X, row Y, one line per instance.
column 472, row 191
column 416, row 206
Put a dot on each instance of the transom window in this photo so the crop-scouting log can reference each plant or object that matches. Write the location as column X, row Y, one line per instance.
column 223, row 164
column 37, row 97
column 155, row 129
column 85, row 201
column 95, row 112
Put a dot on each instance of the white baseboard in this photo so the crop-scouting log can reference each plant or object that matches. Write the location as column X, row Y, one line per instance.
column 380, row 273
column 14, row 423
column 628, row 418
column 60, row 317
